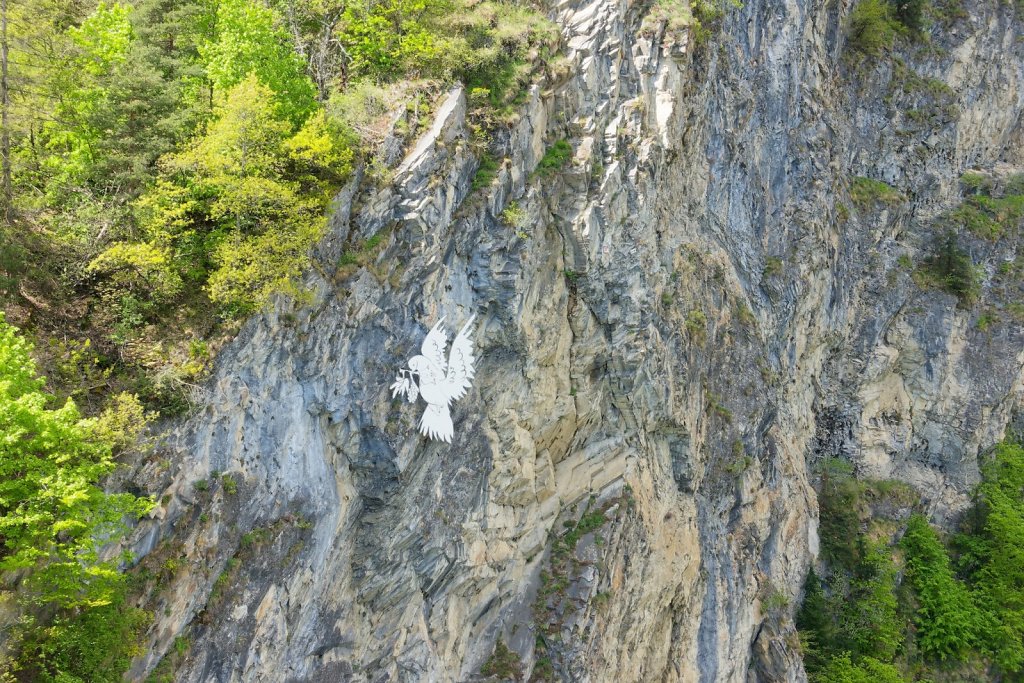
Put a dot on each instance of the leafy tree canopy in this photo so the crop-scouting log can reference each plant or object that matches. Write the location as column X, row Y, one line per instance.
column 55, row 518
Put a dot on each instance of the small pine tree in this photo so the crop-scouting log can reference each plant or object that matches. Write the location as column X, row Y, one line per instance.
column 814, row 620
column 954, row 268
column 946, row 617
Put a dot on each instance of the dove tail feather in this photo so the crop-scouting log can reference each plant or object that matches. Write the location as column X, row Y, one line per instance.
column 436, row 423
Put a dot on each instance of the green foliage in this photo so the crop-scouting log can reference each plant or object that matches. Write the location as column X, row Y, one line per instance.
column 857, row 617
column 513, row 215
column 991, row 555
column 865, row 670
column 676, row 15
column 54, row 516
column 555, row 158
column 951, row 268
column 986, row 320
column 772, row 266
column 503, row 664
column 699, row 17
column 230, row 484
column 696, row 323
column 97, row 47
column 250, row 41
column 387, row 38
column 872, row 28
column 138, row 270
column 775, row 601
column 839, row 509
column 960, row 612
column 486, row 172
column 976, row 183
column 866, row 193
column 483, row 44
column 815, row 622
column 986, row 212
column 874, row 25
column 242, row 205
column 911, row 14
column 86, row 645
column 869, row 625
column 946, row 618
column 716, row 406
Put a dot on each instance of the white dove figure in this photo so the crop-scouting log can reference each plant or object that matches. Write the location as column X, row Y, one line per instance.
column 437, row 381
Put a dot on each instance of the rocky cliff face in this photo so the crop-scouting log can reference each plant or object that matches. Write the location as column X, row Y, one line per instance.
column 672, row 329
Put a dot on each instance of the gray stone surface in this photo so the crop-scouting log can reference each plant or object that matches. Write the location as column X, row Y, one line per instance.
column 702, row 180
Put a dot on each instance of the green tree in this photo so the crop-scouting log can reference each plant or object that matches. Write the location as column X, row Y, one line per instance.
column 946, row 618
column 869, row 624
column 992, row 554
column 155, row 97
column 953, row 268
column 839, row 508
column 911, row 13
column 816, row 623
column 865, row 670
column 248, row 40
column 100, row 44
column 313, row 25
column 239, row 208
column 93, row 644
column 387, row 38
column 54, row 517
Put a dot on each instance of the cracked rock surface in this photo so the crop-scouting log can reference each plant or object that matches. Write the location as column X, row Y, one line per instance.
column 680, row 324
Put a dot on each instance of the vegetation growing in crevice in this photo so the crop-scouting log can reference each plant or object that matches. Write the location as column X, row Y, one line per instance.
column 700, row 17
column 989, row 210
column 925, row 103
column 950, row 268
column 503, row 664
column 874, row 25
column 563, row 566
column 867, row 193
column 554, row 159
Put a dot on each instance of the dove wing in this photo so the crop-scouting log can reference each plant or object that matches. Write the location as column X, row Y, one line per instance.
column 461, row 364
column 435, row 344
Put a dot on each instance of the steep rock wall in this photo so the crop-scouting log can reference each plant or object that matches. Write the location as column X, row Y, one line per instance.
column 681, row 325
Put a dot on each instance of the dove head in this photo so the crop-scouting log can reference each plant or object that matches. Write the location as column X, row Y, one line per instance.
column 419, row 365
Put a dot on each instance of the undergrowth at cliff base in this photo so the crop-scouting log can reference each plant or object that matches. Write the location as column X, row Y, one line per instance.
column 897, row 601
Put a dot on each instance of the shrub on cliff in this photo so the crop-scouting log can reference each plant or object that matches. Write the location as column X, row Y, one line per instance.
column 872, row 28
column 483, row 44
column 951, row 268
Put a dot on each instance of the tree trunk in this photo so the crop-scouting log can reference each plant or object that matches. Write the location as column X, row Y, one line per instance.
column 5, row 106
